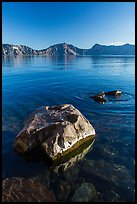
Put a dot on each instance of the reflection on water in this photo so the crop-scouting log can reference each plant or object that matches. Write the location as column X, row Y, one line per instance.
column 31, row 82
column 72, row 158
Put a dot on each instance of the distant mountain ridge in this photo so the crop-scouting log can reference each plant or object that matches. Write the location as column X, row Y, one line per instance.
column 68, row 49
column 125, row 49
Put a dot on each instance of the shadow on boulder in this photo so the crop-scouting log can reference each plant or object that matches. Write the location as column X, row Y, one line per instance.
column 63, row 162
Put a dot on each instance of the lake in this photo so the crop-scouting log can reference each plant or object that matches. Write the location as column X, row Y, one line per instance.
column 109, row 165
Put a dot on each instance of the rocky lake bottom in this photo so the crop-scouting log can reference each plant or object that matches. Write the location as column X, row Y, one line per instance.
column 104, row 171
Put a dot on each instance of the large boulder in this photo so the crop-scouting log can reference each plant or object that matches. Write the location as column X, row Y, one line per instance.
column 25, row 190
column 57, row 130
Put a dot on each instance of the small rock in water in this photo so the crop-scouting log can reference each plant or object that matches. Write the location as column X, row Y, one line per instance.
column 101, row 94
column 113, row 93
column 100, row 97
column 25, row 190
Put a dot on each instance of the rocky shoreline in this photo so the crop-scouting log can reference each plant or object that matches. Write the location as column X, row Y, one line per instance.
column 72, row 178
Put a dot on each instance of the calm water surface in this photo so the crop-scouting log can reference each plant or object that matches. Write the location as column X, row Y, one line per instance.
column 31, row 82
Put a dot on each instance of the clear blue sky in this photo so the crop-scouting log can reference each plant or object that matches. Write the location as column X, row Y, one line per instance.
column 41, row 24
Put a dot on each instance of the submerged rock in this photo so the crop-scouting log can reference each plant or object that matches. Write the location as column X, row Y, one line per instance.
column 111, row 195
column 58, row 130
column 64, row 163
column 43, row 178
column 113, row 93
column 63, row 190
column 25, row 190
column 108, row 174
column 105, row 151
column 86, row 192
column 71, row 174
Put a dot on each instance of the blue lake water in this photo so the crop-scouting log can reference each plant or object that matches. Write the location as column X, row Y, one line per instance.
column 31, row 82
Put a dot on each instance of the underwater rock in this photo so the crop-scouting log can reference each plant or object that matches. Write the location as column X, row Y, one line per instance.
column 63, row 191
column 86, row 192
column 105, row 151
column 113, row 93
column 64, row 163
column 56, row 129
column 111, row 196
column 25, row 190
column 71, row 174
column 106, row 172
column 43, row 178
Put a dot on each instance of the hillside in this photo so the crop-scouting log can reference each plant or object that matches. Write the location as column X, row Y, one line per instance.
column 68, row 49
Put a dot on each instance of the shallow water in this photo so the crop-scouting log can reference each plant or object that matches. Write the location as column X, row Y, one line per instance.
column 31, row 82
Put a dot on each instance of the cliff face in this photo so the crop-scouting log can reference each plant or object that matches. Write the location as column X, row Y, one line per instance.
column 13, row 50
column 61, row 49
column 68, row 49
column 58, row 49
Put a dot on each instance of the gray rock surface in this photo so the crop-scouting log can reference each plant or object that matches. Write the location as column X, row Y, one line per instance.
column 86, row 192
column 56, row 129
column 25, row 190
